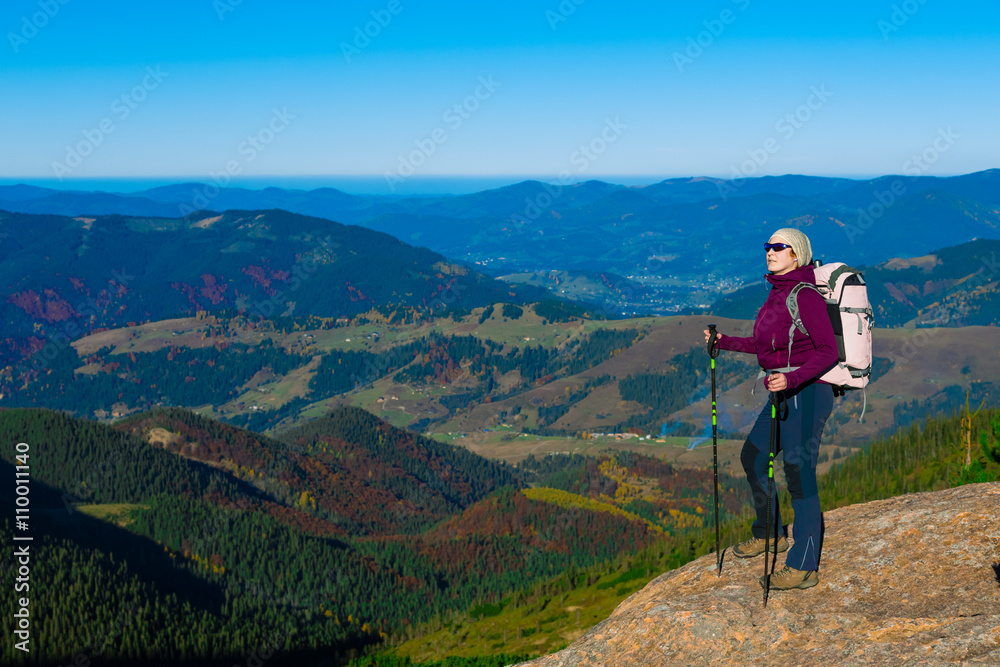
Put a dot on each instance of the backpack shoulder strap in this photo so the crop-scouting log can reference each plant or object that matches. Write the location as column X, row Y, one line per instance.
column 792, row 303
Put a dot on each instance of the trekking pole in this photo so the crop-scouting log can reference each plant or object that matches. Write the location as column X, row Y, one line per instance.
column 770, row 491
column 713, row 352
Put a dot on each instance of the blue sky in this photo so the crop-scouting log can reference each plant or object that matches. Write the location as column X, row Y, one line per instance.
column 722, row 88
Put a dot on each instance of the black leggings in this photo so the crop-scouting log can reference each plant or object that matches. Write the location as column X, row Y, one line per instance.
column 798, row 436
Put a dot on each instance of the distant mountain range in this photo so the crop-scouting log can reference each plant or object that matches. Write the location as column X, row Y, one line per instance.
column 665, row 235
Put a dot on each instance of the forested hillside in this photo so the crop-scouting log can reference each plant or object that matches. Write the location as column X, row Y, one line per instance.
column 346, row 532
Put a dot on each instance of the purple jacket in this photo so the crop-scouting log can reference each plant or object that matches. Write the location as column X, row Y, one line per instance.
column 815, row 354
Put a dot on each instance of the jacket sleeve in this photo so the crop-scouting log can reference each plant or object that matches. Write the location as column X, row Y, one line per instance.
column 812, row 310
column 737, row 343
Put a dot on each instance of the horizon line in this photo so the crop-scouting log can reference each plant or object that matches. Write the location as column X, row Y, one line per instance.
column 495, row 181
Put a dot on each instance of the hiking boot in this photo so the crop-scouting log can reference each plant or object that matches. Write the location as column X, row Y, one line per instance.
column 788, row 577
column 755, row 547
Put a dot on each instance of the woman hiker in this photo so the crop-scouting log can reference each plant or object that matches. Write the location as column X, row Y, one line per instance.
column 809, row 401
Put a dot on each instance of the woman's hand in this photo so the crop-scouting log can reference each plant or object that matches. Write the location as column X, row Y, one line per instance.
column 707, row 335
column 776, row 382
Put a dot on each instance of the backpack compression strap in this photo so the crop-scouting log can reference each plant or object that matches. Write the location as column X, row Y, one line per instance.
column 856, row 279
column 839, row 271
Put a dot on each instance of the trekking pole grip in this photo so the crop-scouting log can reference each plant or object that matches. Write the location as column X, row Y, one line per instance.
column 713, row 342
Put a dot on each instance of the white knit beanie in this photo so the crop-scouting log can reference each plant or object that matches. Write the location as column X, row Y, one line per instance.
column 799, row 242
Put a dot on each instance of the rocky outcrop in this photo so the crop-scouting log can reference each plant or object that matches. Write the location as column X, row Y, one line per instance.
column 913, row 580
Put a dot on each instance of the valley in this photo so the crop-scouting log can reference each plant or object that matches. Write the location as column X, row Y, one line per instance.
column 315, row 436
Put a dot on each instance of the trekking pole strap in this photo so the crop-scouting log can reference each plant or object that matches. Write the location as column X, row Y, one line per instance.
column 764, row 373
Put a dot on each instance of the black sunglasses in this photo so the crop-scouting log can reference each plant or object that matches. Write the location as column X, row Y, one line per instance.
column 776, row 247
